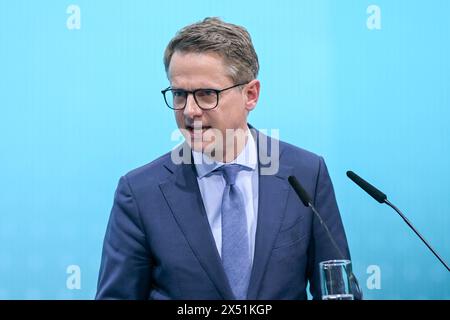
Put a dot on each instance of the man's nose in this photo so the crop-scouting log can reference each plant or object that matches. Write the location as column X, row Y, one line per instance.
column 192, row 109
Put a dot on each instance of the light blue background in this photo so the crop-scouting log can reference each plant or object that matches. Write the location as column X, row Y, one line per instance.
column 79, row 108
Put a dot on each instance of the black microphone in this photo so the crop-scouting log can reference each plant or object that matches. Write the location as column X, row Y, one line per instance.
column 367, row 187
column 382, row 198
column 306, row 200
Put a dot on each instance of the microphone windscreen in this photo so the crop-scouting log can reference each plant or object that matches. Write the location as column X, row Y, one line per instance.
column 302, row 194
column 367, row 187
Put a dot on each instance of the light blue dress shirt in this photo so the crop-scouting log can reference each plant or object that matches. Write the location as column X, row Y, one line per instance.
column 212, row 186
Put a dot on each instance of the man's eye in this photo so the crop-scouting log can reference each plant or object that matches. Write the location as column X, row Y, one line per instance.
column 178, row 93
column 205, row 93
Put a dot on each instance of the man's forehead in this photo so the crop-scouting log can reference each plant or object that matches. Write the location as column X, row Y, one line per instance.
column 193, row 62
column 195, row 70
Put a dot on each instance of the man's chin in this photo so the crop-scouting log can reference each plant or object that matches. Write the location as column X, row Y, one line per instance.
column 198, row 140
column 206, row 147
column 198, row 145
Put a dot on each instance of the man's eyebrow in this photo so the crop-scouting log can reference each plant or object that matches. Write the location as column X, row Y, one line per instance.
column 199, row 88
column 177, row 88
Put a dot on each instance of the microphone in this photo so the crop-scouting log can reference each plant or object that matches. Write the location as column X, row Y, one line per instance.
column 382, row 198
column 306, row 200
column 367, row 187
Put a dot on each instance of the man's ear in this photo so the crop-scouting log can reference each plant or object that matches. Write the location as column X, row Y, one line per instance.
column 251, row 93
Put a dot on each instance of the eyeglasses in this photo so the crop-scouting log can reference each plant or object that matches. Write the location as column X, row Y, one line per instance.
column 206, row 99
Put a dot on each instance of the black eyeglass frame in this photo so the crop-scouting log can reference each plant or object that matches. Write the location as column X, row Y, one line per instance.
column 193, row 92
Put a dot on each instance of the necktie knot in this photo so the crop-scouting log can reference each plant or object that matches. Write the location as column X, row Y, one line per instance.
column 229, row 172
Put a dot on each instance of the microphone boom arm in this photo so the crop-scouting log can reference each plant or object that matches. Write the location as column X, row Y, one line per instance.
column 417, row 232
column 324, row 225
column 382, row 198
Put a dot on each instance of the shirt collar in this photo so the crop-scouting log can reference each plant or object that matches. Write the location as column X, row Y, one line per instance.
column 247, row 158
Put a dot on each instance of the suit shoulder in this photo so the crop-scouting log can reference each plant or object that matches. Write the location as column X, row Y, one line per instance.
column 296, row 156
column 153, row 171
column 307, row 166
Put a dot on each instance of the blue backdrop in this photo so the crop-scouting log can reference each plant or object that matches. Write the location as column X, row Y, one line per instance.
column 365, row 86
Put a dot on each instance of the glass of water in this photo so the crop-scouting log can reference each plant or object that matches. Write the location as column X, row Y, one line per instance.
column 334, row 279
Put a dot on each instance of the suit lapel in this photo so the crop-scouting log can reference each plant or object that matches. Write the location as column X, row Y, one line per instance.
column 273, row 192
column 184, row 199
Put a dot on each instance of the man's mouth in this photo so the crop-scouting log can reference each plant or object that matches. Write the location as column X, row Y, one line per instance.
column 197, row 129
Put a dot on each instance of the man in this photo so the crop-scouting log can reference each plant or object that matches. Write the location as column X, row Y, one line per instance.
column 222, row 223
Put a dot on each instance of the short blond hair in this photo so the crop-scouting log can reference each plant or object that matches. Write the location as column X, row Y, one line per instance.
column 231, row 42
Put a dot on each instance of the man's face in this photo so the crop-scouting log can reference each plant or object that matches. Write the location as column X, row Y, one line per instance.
column 190, row 71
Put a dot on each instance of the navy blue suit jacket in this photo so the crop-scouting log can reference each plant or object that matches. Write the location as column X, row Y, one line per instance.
column 159, row 245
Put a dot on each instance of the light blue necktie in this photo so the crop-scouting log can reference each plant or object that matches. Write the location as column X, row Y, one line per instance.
column 235, row 248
